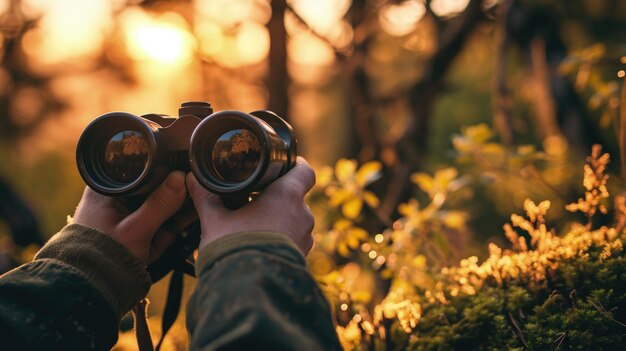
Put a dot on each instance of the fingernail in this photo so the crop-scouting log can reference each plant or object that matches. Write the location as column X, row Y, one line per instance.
column 176, row 181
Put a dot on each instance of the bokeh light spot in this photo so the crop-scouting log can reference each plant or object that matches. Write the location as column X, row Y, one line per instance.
column 447, row 8
column 401, row 19
column 159, row 39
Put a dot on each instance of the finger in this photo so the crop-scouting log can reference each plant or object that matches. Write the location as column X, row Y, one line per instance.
column 170, row 230
column 309, row 245
column 91, row 197
column 207, row 204
column 161, row 241
column 298, row 181
column 91, row 204
column 163, row 203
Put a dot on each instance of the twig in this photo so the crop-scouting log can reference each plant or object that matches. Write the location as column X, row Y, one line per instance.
column 606, row 313
column 560, row 338
column 518, row 330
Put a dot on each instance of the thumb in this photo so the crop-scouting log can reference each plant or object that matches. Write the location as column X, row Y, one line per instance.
column 296, row 183
column 158, row 207
column 207, row 204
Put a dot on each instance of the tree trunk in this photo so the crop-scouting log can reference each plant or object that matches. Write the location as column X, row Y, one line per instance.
column 278, row 78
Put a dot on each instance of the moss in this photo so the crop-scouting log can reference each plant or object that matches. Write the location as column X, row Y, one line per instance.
column 579, row 315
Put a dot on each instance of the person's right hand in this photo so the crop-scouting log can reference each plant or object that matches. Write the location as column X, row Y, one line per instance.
column 279, row 208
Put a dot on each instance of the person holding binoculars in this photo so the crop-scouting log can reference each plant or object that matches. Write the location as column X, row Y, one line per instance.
column 253, row 289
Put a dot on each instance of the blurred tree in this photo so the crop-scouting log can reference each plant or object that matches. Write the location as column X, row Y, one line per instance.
column 559, row 110
column 405, row 153
column 26, row 97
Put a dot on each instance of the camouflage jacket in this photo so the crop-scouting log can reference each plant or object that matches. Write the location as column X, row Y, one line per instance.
column 253, row 292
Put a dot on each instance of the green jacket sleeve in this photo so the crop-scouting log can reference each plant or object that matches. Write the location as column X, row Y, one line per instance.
column 72, row 295
column 254, row 292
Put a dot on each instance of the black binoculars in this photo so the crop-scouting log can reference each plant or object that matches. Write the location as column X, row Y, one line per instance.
column 231, row 153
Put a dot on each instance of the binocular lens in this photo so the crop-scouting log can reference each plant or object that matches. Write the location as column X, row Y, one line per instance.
column 125, row 156
column 236, row 155
column 231, row 153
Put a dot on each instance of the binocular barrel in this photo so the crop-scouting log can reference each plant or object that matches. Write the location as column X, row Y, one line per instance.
column 231, row 153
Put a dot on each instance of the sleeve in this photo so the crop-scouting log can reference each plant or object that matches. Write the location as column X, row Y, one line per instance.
column 254, row 292
column 73, row 294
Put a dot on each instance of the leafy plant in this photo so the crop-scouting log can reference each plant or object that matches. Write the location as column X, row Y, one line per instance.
column 392, row 291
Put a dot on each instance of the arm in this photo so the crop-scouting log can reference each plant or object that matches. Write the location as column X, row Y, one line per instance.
column 254, row 290
column 73, row 293
column 72, row 296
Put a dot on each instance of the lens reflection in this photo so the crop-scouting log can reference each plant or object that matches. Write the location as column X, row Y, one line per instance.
column 236, row 155
column 125, row 156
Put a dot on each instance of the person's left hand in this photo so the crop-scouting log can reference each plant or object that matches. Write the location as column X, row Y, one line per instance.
column 140, row 232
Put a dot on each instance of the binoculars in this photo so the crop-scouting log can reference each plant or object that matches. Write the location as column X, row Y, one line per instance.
column 231, row 153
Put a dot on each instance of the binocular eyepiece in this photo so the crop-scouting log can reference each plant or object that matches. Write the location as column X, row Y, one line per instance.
column 231, row 153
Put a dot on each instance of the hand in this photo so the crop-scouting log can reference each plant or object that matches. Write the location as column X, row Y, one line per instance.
column 141, row 231
column 279, row 208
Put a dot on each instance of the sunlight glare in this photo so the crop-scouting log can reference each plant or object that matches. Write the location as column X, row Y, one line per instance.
column 210, row 38
column 401, row 19
column 307, row 49
column 4, row 5
column 446, row 8
column 253, row 42
column 161, row 40
column 232, row 32
column 68, row 29
column 250, row 44
column 321, row 15
column 226, row 13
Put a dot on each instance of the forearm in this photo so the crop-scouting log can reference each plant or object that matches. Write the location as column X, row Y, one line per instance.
column 254, row 292
column 72, row 295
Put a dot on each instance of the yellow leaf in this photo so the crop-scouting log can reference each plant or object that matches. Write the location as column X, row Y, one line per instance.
column 454, row 219
column 344, row 169
column 493, row 152
column 339, row 196
column 324, row 176
column 352, row 241
column 443, row 178
column 479, row 133
column 526, row 150
column 462, row 144
column 361, row 296
column 423, row 180
column 342, row 250
column 446, row 174
column 493, row 148
column 368, row 173
column 359, row 233
column 371, row 199
column 593, row 52
column 419, row 261
column 409, row 208
column 330, row 190
column 342, row 224
column 352, row 208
